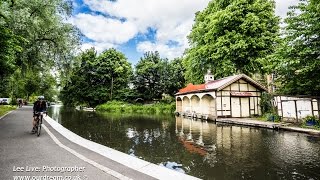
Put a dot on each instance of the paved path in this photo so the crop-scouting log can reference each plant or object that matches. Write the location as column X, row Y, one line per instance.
column 21, row 149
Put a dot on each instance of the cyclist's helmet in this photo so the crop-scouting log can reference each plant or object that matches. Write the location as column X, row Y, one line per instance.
column 41, row 98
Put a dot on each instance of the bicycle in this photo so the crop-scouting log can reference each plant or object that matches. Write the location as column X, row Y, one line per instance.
column 39, row 118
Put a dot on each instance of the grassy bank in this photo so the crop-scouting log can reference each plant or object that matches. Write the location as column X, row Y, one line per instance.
column 116, row 106
column 6, row 108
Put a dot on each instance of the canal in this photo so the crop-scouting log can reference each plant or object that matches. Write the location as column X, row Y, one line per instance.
column 202, row 149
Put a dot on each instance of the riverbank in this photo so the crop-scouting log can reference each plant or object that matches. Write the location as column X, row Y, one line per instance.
column 118, row 106
column 4, row 109
column 266, row 124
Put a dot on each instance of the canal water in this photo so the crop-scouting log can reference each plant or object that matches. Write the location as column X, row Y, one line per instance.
column 202, row 149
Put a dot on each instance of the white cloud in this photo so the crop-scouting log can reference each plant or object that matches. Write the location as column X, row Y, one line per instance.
column 99, row 46
column 102, row 29
column 283, row 5
column 172, row 20
column 164, row 49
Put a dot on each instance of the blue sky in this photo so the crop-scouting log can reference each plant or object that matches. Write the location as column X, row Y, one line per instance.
column 137, row 26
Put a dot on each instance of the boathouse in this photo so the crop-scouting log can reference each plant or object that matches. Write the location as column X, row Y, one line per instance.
column 233, row 96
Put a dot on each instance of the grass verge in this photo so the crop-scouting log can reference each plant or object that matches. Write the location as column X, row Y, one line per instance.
column 118, row 106
column 6, row 108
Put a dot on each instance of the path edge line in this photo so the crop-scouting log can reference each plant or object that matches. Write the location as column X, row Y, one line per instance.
column 82, row 157
column 6, row 114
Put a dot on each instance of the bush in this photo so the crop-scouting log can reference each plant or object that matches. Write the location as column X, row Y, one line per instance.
column 311, row 121
column 272, row 117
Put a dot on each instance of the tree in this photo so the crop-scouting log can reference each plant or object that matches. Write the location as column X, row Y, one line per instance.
column 97, row 79
column 298, row 59
column 77, row 89
column 116, row 69
column 10, row 45
column 34, row 37
column 148, row 76
column 231, row 37
column 155, row 76
column 173, row 78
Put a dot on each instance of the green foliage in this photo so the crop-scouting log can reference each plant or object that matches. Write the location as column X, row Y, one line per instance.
column 148, row 76
column 155, row 76
column 175, row 77
column 4, row 87
column 168, row 100
column 32, row 82
column 34, row 37
column 231, row 37
column 272, row 117
column 297, row 63
column 118, row 106
column 266, row 103
column 9, row 44
column 98, row 79
column 268, row 110
column 6, row 108
column 311, row 121
column 126, row 95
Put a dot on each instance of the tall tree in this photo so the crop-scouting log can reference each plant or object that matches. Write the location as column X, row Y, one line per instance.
column 78, row 89
column 114, row 66
column 10, row 45
column 231, row 37
column 155, row 76
column 173, row 77
column 98, row 79
column 35, row 37
column 298, row 62
column 148, row 76
column 49, row 39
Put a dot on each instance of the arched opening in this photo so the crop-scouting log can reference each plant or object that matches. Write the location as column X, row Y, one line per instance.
column 208, row 106
column 186, row 104
column 195, row 104
column 179, row 105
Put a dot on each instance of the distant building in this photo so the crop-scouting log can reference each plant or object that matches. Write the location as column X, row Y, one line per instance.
column 233, row 96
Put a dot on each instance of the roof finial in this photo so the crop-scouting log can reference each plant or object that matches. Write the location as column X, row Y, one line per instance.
column 208, row 77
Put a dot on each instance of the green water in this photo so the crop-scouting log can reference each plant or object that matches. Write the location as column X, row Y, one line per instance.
column 202, row 149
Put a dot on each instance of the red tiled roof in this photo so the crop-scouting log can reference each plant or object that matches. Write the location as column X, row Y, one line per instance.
column 219, row 84
column 190, row 87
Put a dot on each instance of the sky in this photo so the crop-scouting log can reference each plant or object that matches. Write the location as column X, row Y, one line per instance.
column 137, row 26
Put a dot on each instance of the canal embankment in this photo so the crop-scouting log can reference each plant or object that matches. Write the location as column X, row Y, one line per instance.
column 109, row 154
column 265, row 124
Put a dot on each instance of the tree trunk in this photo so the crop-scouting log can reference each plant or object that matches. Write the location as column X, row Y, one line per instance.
column 111, row 87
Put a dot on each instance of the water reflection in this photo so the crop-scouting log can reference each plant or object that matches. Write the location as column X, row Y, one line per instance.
column 202, row 149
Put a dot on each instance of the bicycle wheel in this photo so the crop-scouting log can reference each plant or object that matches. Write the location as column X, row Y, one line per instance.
column 39, row 126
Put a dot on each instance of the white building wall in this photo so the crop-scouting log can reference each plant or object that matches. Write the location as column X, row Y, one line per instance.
column 296, row 108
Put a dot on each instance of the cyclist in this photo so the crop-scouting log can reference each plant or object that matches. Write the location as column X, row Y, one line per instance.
column 39, row 106
column 20, row 103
